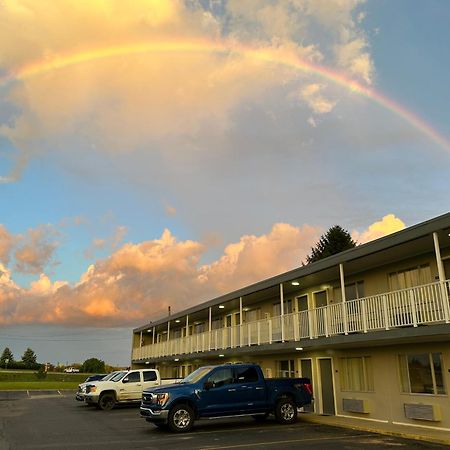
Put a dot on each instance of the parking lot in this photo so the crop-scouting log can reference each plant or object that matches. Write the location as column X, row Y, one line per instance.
column 52, row 420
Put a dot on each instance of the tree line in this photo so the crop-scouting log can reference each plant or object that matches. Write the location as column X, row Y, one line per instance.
column 29, row 361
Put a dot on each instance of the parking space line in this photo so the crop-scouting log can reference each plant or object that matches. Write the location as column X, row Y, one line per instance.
column 290, row 441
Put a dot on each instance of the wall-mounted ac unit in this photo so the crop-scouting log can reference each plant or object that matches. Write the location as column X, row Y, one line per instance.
column 420, row 411
column 355, row 405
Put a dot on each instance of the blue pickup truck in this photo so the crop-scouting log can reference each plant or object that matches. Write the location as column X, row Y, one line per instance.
column 225, row 391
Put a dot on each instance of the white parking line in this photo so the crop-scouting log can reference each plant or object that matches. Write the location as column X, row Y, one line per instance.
column 290, row 441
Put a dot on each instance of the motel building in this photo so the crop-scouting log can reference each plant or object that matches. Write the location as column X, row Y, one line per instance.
column 369, row 326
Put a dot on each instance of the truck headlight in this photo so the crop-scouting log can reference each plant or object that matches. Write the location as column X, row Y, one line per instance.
column 162, row 399
column 90, row 389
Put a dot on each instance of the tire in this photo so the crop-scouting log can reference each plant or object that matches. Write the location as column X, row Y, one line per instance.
column 181, row 418
column 107, row 401
column 286, row 411
column 260, row 417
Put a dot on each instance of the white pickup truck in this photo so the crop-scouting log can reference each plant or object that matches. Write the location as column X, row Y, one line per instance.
column 123, row 387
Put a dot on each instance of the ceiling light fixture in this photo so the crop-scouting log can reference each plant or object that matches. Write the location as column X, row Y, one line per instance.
column 221, row 306
column 295, row 283
column 177, row 321
column 298, row 348
column 221, row 356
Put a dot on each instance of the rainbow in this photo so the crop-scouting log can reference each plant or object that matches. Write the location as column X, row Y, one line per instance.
column 265, row 55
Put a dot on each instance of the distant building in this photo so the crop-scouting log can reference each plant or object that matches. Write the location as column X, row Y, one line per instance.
column 369, row 326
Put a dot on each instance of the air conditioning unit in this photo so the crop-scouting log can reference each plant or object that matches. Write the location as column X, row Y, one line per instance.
column 420, row 411
column 355, row 405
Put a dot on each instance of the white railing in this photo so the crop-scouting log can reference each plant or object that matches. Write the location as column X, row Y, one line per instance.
column 425, row 304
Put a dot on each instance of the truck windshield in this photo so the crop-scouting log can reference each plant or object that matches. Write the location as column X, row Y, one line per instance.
column 109, row 376
column 196, row 375
column 118, row 376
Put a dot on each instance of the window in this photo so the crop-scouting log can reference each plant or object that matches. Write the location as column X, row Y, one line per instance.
column 411, row 277
column 133, row 377
column 287, row 306
column 320, row 299
column 221, row 377
column 216, row 324
column 421, row 373
column 199, row 328
column 253, row 315
column 149, row 375
column 302, row 303
column 354, row 290
column 246, row 375
column 286, row 368
column 356, row 374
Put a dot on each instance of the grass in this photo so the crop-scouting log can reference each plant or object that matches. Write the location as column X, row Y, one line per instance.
column 36, row 385
column 28, row 380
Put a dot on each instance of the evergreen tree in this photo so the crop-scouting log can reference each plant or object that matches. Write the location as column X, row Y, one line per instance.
column 335, row 240
column 93, row 365
column 29, row 359
column 6, row 355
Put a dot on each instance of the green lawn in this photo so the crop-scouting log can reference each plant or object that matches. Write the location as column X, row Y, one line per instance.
column 37, row 385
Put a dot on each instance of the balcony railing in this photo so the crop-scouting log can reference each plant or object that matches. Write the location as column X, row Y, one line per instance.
column 425, row 304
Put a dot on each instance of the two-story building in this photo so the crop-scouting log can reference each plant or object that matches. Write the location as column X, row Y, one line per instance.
column 369, row 326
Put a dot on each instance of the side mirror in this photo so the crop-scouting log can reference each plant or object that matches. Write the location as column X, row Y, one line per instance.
column 208, row 385
column 125, row 380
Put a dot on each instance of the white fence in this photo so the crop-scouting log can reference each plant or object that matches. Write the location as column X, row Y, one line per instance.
column 407, row 307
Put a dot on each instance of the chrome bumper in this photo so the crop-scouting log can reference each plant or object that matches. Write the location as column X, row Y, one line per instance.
column 159, row 415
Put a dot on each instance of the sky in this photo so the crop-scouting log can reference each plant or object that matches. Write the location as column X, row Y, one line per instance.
column 160, row 153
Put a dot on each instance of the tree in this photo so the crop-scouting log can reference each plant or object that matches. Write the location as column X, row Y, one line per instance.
column 335, row 240
column 93, row 365
column 29, row 359
column 6, row 355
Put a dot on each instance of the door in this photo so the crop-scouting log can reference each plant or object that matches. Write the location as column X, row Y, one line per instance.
column 131, row 387
column 306, row 371
column 326, row 386
column 220, row 398
column 150, row 379
column 250, row 390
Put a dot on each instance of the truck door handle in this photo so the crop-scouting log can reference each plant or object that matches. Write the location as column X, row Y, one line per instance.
column 259, row 388
column 231, row 390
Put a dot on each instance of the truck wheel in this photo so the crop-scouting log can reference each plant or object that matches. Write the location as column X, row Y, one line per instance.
column 106, row 401
column 181, row 418
column 286, row 411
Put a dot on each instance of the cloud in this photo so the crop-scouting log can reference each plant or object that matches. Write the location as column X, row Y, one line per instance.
column 387, row 225
column 35, row 249
column 135, row 101
column 312, row 95
column 139, row 281
column 110, row 243
column 6, row 244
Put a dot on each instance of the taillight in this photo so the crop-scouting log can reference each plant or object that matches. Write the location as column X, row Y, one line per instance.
column 308, row 387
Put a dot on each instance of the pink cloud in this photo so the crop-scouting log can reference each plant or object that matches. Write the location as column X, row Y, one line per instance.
column 139, row 281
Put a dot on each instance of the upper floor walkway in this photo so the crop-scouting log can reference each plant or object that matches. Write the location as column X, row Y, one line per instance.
column 420, row 305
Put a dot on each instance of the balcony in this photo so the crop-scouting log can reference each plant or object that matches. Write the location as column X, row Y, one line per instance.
column 421, row 305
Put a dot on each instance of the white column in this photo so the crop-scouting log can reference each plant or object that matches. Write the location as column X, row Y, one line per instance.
column 210, row 329
column 154, row 332
column 168, row 329
column 282, row 311
column 140, row 340
column 186, row 340
column 240, row 322
column 441, row 273
column 344, row 307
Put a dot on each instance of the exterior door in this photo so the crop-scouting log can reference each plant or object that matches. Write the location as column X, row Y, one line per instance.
column 131, row 387
column 306, row 371
column 150, row 379
column 222, row 397
column 326, row 386
column 250, row 390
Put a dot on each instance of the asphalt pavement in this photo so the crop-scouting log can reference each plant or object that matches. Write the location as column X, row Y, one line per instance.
column 55, row 420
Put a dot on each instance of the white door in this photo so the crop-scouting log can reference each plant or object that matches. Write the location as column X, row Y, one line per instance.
column 150, row 379
column 131, row 387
